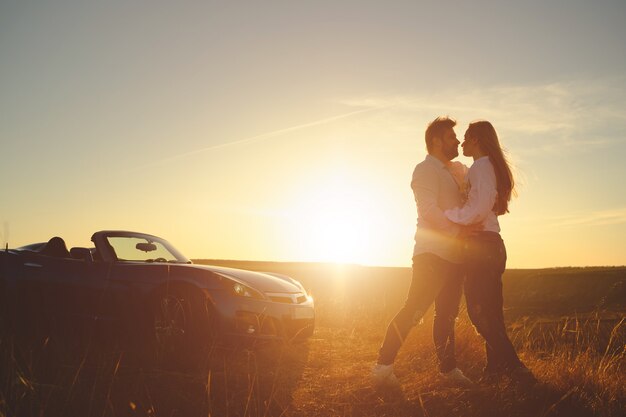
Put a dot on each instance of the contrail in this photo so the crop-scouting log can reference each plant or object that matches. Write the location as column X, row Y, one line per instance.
column 267, row 135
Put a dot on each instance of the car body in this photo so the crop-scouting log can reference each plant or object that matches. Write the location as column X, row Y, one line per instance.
column 139, row 284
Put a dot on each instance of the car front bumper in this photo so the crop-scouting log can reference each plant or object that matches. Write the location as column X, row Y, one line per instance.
column 263, row 319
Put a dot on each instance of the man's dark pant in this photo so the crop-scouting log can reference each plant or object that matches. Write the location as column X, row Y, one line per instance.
column 434, row 279
column 485, row 263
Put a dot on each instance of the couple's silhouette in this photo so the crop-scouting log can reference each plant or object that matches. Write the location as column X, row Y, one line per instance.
column 458, row 249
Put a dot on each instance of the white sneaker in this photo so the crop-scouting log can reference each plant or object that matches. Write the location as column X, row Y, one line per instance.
column 456, row 377
column 382, row 375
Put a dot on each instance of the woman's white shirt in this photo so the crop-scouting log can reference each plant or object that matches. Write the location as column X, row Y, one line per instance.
column 482, row 185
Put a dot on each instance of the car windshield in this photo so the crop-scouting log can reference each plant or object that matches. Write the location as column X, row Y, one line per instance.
column 139, row 249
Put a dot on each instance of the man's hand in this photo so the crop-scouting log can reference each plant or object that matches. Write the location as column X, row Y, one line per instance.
column 469, row 230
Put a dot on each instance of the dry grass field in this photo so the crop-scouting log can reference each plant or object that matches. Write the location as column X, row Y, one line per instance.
column 567, row 324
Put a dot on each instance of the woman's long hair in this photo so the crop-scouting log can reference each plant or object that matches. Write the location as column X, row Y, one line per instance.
column 488, row 141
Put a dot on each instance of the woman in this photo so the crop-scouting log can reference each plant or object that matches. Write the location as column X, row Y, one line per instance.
column 490, row 184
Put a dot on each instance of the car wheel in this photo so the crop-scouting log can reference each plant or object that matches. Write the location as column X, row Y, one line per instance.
column 183, row 328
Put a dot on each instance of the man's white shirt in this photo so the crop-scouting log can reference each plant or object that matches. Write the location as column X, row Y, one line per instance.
column 435, row 190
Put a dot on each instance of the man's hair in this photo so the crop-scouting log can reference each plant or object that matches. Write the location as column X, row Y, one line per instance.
column 436, row 128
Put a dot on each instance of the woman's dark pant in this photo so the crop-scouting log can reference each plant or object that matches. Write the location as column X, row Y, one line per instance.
column 434, row 279
column 485, row 263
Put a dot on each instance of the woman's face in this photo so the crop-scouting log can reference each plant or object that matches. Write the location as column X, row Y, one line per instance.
column 469, row 145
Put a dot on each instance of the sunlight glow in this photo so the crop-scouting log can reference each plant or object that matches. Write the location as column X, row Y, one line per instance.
column 338, row 220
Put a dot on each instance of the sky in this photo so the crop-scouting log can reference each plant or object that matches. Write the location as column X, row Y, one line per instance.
column 288, row 131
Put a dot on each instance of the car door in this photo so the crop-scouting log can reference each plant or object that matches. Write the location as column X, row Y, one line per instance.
column 127, row 305
column 58, row 295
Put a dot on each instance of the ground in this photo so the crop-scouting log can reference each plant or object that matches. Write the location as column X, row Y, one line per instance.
column 567, row 325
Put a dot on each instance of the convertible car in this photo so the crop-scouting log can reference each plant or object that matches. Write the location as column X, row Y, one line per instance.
column 142, row 287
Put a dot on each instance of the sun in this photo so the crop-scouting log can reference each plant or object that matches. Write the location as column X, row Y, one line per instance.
column 336, row 221
column 337, row 226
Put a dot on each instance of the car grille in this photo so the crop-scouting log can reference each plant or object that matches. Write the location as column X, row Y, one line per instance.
column 297, row 298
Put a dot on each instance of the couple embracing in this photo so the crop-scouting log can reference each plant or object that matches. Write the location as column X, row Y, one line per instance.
column 458, row 247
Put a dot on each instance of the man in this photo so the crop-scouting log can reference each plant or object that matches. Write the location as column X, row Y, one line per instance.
column 436, row 256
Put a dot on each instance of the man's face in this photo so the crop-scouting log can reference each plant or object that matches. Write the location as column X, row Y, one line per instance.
column 450, row 144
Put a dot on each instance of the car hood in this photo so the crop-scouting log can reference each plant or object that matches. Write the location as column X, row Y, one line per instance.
column 258, row 280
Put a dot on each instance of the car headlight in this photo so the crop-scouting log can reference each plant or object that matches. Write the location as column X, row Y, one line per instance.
column 245, row 291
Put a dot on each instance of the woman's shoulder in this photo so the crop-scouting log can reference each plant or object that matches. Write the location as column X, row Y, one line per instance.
column 482, row 163
column 482, row 167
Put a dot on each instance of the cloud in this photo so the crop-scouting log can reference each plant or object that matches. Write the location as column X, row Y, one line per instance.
column 532, row 118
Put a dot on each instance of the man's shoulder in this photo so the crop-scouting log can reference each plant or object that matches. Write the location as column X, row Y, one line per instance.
column 424, row 173
column 425, row 169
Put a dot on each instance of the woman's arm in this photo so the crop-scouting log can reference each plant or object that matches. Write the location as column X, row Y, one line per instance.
column 481, row 198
